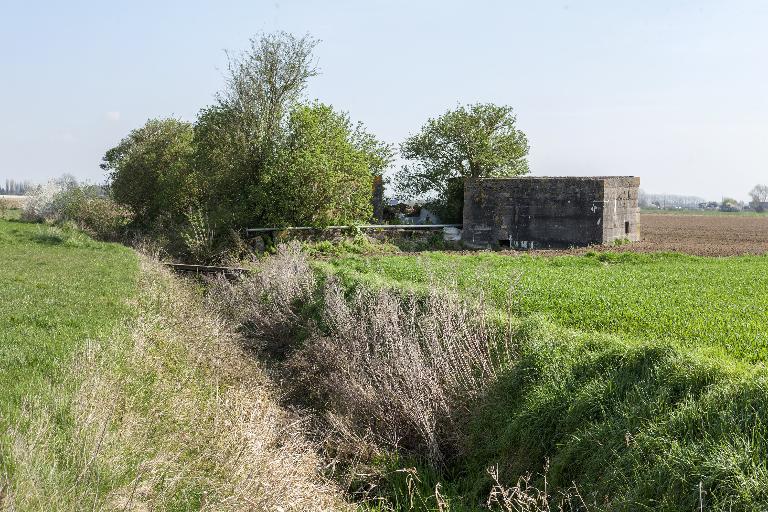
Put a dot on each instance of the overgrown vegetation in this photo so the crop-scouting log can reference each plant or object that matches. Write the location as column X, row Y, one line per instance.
column 598, row 421
column 389, row 379
column 120, row 392
column 260, row 156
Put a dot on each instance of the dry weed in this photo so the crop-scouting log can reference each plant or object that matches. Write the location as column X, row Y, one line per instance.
column 265, row 305
column 397, row 367
column 402, row 366
column 525, row 497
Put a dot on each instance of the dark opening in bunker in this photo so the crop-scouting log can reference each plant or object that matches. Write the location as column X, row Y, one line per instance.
column 505, row 243
column 626, row 228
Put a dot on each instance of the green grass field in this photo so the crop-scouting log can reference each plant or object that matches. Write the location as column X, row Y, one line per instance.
column 10, row 214
column 716, row 304
column 639, row 378
column 59, row 289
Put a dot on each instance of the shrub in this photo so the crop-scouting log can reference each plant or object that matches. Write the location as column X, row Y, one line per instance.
column 46, row 202
column 101, row 217
column 63, row 199
column 149, row 171
column 198, row 236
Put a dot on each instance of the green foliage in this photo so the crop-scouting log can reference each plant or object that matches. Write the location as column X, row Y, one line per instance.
column 621, row 241
column 100, row 216
column 256, row 157
column 323, row 174
column 359, row 244
column 237, row 139
column 474, row 141
column 198, row 237
column 149, row 171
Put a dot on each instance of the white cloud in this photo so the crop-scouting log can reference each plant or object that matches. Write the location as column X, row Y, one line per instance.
column 112, row 116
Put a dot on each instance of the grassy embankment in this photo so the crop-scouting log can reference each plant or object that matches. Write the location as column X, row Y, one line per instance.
column 60, row 289
column 641, row 378
column 119, row 392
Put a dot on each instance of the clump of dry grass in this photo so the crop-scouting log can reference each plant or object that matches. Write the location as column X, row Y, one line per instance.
column 386, row 367
column 168, row 414
column 526, row 497
column 266, row 306
column 401, row 366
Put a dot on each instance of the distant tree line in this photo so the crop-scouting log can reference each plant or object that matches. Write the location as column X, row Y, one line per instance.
column 758, row 201
column 759, row 196
column 646, row 199
column 15, row 188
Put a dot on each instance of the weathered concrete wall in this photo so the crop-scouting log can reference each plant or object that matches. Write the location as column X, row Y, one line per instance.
column 621, row 214
column 535, row 212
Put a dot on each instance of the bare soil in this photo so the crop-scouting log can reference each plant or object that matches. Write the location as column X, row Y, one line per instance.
column 702, row 235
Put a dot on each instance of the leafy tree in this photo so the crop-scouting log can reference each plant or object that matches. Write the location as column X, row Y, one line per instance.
column 237, row 138
column 473, row 141
column 257, row 156
column 759, row 195
column 148, row 170
column 323, row 173
column 729, row 204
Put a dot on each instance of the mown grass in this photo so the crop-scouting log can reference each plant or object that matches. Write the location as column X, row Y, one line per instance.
column 59, row 289
column 718, row 304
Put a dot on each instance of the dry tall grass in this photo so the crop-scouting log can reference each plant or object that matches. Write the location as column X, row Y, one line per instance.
column 401, row 366
column 168, row 414
column 390, row 367
column 381, row 372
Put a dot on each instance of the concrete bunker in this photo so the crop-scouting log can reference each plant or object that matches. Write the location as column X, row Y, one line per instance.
column 550, row 212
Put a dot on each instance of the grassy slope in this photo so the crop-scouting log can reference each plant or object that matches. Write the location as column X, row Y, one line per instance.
column 637, row 424
column 118, row 391
column 59, row 289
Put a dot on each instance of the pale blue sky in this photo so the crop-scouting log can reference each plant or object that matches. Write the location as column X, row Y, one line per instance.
column 675, row 92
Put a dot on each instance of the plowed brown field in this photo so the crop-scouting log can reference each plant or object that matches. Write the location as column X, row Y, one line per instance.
column 702, row 235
